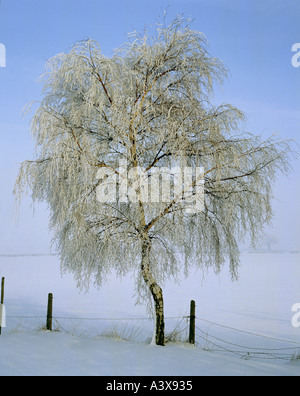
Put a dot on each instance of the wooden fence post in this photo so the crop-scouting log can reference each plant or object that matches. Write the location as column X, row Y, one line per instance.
column 49, row 312
column 192, row 322
column 2, row 303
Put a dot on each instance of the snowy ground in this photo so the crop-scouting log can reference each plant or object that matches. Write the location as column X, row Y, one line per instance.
column 61, row 354
column 243, row 328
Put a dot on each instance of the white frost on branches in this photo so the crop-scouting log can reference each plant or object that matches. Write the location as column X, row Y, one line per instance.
column 150, row 104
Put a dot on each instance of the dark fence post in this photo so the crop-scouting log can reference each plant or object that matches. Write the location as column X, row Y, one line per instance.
column 2, row 303
column 49, row 312
column 192, row 322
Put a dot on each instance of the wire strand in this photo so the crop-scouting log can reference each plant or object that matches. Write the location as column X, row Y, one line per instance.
column 248, row 332
column 245, row 347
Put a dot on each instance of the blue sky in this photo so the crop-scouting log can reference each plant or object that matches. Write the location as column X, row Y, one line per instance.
column 253, row 38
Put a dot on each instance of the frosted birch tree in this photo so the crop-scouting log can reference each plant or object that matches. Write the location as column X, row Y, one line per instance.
column 151, row 105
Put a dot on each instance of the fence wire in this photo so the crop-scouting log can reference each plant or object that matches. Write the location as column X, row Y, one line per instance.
column 207, row 337
column 129, row 328
column 206, row 340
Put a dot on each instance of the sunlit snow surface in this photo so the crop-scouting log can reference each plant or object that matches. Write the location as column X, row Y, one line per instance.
column 242, row 327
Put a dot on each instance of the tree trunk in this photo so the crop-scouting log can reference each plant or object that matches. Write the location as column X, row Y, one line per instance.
column 156, row 293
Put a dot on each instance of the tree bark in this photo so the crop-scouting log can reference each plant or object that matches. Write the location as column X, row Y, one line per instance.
column 156, row 292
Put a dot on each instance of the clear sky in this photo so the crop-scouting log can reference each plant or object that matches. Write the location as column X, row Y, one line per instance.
column 253, row 38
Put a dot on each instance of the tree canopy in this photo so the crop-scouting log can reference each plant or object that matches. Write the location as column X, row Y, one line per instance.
column 150, row 104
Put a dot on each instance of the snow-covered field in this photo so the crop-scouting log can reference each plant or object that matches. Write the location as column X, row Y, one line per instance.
column 242, row 328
